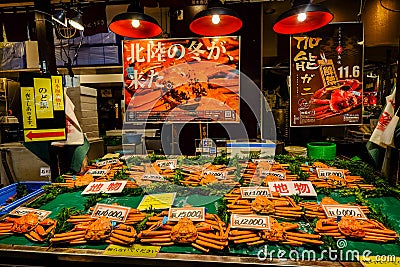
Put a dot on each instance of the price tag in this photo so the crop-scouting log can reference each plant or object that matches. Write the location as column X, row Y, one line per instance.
column 270, row 161
column 21, row 211
column 253, row 192
column 250, row 222
column 104, row 187
column 135, row 250
column 196, row 214
column 113, row 161
column 288, row 188
column 113, row 212
column 323, row 173
column 45, row 171
column 101, row 163
column 333, row 211
column 157, row 201
column 218, row 174
column 280, row 175
column 97, row 172
column 167, row 164
column 153, row 177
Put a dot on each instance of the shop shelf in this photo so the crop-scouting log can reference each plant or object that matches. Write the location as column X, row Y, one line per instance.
column 34, row 188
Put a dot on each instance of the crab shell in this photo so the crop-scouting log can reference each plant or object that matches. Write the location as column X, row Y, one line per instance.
column 25, row 223
column 351, row 227
column 184, row 231
column 262, row 204
column 99, row 229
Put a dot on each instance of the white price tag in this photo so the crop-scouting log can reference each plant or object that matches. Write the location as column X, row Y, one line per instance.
column 334, row 211
column 324, row 173
column 153, row 177
column 21, row 211
column 250, row 222
column 253, row 192
column 217, row 174
column 280, row 175
column 167, row 164
column 97, row 172
column 270, row 161
column 113, row 212
column 45, row 171
column 196, row 214
column 104, row 187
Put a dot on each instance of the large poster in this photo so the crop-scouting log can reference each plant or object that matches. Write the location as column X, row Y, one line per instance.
column 182, row 80
column 326, row 76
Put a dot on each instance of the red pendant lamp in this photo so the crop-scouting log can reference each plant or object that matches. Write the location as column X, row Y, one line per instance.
column 302, row 17
column 134, row 23
column 215, row 20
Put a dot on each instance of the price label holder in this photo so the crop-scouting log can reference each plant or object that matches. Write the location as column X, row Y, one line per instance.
column 152, row 177
column 97, row 172
column 270, row 161
column 45, row 171
column 280, row 175
column 253, row 192
column 135, row 250
column 113, row 212
column 196, row 214
column 333, row 211
column 217, row 174
column 323, row 173
column 111, row 187
column 21, row 211
column 255, row 222
column 167, row 164
column 157, row 201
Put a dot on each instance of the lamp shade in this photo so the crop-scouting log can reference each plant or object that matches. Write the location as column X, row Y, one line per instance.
column 76, row 22
column 60, row 17
column 216, row 21
column 134, row 23
column 302, row 18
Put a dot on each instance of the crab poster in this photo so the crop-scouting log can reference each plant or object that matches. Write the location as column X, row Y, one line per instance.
column 181, row 80
column 326, row 68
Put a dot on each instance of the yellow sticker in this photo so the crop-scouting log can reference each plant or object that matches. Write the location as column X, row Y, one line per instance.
column 28, row 107
column 157, row 201
column 43, row 98
column 44, row 135
column 134, row 251
column 381, row 260
column 58, row 92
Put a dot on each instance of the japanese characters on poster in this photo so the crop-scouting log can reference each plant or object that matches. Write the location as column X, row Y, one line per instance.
column 182, row 80
column 43, row 111
column 326, row 76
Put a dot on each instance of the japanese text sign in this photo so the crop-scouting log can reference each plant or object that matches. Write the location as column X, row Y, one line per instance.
column 153, row 177
column 104, row 187
column 326, row 76
column 334, row 211
column 196, row 214
column 250, row 222
column 323, row 173
column 135, row 250
column 97, row 172
column 157, row 201
column 288, row 188
column 217, row 174
column 255, row 191
column 21, row 211
column 182, row 80
column 113, row 212
column 280, row 175
column 167, row 164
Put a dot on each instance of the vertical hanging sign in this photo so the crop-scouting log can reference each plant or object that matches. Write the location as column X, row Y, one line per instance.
column 42, row 99
column 326, row 76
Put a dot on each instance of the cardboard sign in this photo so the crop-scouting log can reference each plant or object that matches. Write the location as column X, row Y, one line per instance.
column 45, row 171
column 334, row 211
column 253, row 192
column 323, row 173
column 196, row 214
column 288, row 188
column 157, row 201
column 135, row 250
column 167, row 164
column 104, row 187
column 21, row 211
column 153, row 178
column 280, row 175
column 113, row 212
column 217, row 174
column 97, row 172
column 250, row 222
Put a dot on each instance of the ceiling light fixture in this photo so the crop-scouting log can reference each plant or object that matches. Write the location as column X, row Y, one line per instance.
column 134, row 23
column 76, row 22
column 216, row 20
column 302, row 17
column 60, row 17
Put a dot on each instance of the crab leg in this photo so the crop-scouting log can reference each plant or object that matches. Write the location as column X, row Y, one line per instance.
column 155, row 240
column 206, row 244
column 213, row 241
column 200, row 247
column 247, row 240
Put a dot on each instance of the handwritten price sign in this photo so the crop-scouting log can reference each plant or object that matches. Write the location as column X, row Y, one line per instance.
column 334, row 211
column 105, row 162
column 253, row 192
column 21, row 211
column 167, row 164
column 97, row 172
column 324, row 173
column 250, row 222
column 113, row 212
column 153, row 177
column 195, row 214
column 218, row 174
column 280, row 175
column 270, row 161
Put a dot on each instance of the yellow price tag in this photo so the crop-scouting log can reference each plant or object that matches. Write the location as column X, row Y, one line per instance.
column 157, row 201
column 134, row 251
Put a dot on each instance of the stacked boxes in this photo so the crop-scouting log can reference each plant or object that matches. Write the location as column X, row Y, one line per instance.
column 85, row 101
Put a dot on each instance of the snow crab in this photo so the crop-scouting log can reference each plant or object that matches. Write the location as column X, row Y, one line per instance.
column 339, row 99
column 281, row 207
column 29, row 225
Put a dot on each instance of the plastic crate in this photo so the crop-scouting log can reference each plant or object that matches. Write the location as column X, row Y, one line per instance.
column 33, row 188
